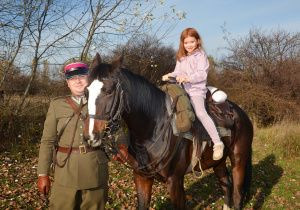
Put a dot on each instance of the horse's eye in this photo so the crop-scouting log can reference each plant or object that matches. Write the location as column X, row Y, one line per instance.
column 108, row 92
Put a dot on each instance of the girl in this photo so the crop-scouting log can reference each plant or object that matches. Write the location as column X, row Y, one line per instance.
column 191, row 69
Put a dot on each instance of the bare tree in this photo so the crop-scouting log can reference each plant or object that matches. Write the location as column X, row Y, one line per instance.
column 15, row 17
column 262, row 71
column 148, row 57
column 57, row 29
column 44, row 21
column 117, row 22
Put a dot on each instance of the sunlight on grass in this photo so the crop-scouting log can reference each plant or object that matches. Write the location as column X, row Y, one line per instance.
column 282, row 139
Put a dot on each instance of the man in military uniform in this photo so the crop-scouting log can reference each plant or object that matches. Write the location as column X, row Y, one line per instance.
column 81, row 174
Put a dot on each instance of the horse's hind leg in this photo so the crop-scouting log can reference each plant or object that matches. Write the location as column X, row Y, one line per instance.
column 143, row 189
column 176, row 191
column 222, row 174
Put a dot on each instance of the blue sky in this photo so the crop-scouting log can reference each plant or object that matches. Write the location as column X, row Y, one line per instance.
column 207, row 17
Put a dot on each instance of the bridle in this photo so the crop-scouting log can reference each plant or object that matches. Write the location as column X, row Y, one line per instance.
column 114, row 116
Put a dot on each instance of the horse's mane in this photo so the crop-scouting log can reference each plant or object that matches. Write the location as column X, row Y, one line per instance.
column 101, row 72
column 142, row 94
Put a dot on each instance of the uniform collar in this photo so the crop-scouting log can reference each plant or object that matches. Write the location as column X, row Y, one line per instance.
column 78, row 99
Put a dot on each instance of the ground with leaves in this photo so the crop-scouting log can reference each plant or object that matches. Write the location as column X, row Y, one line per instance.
column 275, row 184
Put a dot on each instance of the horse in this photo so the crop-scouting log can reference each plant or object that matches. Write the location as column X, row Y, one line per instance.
column 154, row 151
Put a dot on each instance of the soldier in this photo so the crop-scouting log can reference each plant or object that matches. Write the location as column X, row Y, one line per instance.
column 81, row 174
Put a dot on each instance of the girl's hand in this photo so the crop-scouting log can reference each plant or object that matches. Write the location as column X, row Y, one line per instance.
column 165, row 77
column 182, row 80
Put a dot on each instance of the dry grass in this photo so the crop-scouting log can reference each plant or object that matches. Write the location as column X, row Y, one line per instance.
column 282, row 139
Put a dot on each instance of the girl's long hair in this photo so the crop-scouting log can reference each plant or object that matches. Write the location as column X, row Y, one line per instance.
column 188, row 32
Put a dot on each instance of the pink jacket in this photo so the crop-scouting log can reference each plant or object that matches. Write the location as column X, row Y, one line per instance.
column 195, row 66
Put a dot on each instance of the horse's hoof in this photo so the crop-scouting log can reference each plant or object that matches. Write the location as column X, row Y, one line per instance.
column 226, row 207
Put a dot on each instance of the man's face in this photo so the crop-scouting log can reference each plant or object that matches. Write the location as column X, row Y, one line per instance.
column 77, row 84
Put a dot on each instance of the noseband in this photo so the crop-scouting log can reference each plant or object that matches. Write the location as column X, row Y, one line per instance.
column 114, row 116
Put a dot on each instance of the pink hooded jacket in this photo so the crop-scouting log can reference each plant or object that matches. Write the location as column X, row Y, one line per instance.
column 194, row 66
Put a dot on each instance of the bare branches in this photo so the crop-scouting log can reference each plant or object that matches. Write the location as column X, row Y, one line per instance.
column 265, row 67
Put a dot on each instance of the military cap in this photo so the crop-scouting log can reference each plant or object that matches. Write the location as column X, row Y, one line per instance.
column 74, row 67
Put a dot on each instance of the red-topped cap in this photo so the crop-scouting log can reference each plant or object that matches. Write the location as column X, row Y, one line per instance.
column 76, row 69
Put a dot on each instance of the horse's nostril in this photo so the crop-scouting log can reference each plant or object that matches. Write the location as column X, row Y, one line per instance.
column 86, row 138
column 95, row 135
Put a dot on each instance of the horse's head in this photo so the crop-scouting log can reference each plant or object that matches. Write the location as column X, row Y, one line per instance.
column 105, row 99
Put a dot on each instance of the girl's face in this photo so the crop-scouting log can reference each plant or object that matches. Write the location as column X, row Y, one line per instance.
column 190, row 44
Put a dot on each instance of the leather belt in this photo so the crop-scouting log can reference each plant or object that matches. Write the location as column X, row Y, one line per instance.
column 81, row 149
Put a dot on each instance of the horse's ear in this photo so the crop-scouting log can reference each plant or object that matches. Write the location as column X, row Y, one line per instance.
column 96, row 62
column 117, row 63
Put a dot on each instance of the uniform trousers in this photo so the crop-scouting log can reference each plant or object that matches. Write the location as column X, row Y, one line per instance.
column 68, row 198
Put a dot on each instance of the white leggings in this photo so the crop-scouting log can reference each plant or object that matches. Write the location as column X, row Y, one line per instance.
column 205, row 119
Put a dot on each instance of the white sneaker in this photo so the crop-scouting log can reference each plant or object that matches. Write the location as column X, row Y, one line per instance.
column 218, row 151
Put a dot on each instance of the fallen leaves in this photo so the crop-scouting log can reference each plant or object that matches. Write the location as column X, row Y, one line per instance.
column 18, row 186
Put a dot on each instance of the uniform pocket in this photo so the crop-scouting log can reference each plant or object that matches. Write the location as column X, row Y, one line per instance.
column 62, row 119
column 102, row 158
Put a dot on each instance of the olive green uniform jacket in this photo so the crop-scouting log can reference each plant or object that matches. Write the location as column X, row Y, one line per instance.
column 82, row 171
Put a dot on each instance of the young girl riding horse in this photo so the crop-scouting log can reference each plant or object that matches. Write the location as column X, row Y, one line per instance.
column 191, row 69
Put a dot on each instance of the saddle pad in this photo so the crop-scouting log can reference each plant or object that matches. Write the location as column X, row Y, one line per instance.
column 224, row 131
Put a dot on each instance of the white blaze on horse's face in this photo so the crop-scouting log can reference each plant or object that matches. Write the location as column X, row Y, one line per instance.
column 94, row 91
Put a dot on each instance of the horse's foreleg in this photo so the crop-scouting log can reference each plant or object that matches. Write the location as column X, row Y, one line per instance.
column 176, row 191
column 222, row 174
column 143, row 189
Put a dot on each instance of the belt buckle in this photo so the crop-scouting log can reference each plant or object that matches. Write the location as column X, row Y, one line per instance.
column 82, row 149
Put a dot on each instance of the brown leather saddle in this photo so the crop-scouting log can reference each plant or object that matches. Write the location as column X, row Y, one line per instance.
column 222, row 113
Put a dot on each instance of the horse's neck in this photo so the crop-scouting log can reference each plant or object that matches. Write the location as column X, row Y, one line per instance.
column 145, row 103
column 138, row 122
column 144, row 124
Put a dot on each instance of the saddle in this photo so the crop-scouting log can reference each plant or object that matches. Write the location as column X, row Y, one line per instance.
column 219, row 108
column 216, row 106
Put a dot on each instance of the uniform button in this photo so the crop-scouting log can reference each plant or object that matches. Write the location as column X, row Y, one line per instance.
column 81, row 142
column 81, row 126
column 81, row 134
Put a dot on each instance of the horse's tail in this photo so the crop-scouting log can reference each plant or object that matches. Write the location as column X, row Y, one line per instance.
column 247, row 178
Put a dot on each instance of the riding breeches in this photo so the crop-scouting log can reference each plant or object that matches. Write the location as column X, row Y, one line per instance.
column 68, row 198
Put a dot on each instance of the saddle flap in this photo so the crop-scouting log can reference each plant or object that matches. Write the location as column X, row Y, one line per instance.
column 221, row 113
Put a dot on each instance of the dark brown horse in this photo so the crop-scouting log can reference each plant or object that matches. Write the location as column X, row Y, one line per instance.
column 154, row 152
